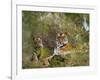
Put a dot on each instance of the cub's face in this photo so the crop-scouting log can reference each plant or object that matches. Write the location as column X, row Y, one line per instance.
column 38, row 41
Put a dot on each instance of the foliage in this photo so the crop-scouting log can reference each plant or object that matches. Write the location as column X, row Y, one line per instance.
column 47, row 24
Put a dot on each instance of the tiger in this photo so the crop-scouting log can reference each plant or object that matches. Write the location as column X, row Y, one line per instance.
column 61, row 44
column 62, row 48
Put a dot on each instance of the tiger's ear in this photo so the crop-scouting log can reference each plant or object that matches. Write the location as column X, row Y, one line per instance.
column 58, row 35
column 67, row 33
column 63, row 35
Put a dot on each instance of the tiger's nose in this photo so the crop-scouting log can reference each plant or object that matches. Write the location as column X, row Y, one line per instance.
column 60, row 40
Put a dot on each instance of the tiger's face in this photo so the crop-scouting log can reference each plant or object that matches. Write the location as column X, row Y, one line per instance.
column 61, row 38
column 61, row 44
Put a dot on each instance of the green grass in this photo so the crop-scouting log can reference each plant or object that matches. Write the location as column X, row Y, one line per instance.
column 70, row 60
